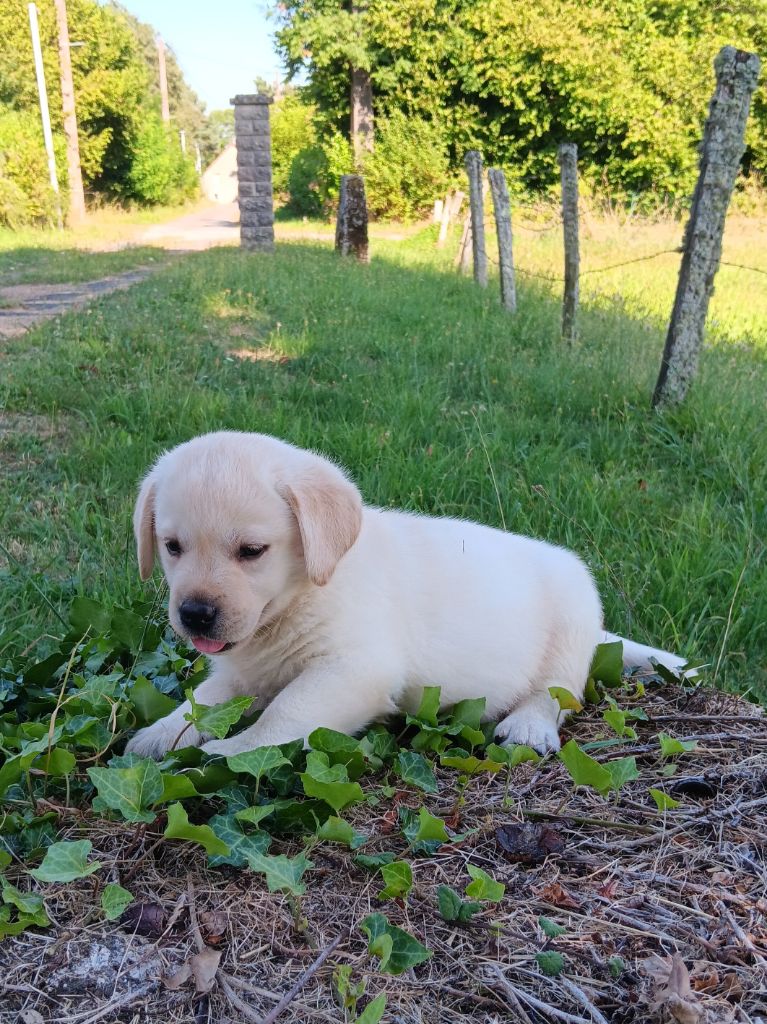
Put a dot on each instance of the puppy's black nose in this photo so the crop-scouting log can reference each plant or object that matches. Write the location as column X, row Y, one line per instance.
column 197, row 616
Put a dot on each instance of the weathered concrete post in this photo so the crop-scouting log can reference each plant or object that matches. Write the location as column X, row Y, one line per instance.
column 567, row 154
column 352, row 220
column 723, row 144
column 254, row 171
column 474, row 170
column 502, row 208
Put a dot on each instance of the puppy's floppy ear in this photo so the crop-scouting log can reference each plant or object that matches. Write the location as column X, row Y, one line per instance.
column 328, row 508
column 143, row 527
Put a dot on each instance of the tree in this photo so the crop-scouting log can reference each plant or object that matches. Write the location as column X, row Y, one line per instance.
column 626, row 80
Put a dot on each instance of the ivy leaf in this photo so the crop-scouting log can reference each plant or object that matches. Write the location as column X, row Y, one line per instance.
column 148, row 702
column 398, row 877
column 131, row 790
column 30, row 906
column 329, row 782
column 257, row 762
column 622, row 770
column 670, row 746
column 397, row 949
column 56, row 763
column 373, row 861
column 217, row 719
column 378, row 746
column 341, row 749
column 512, row 756
column 416, row 770
column 179, row 827
column 616, row 719
column 607, row 664
column 663, row 801
column 283, row 874
column 425, row 833
column 176, row 787
column 468, row 714
column 551, row 963
column 114, row 900
column 453, row 908
column 428, row 709
column 550, row 928
column 241, row 845
column 64, row 862
column 336, row 830
column 566, row 700
column 253, row 815
column 373, row 1011
column 469, row 763
column 484, row 886
column 584, row 770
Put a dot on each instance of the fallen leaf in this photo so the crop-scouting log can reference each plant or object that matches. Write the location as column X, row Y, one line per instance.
column 202, row 967
column 31, row 1017
column 213, row 924
column 529, row 843
column 610, row 889
column 673, row 991
column 558, row 895
column 144, row 919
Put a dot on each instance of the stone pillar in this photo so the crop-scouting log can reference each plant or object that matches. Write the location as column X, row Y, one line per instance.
column 254, row 171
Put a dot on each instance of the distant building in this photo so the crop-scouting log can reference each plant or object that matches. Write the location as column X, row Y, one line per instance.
column 219, row 180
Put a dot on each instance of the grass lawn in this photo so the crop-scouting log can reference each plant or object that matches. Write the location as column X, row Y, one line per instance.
column 433, row 398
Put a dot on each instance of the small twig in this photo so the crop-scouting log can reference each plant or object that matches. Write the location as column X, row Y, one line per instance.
column 310, row 971
column 198, row 941
column 247, row 1012
column 628, row 826
column 137, row 864
column 537, row 1004
column 583, row 999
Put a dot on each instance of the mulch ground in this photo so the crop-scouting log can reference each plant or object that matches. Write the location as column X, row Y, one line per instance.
column 665, row 914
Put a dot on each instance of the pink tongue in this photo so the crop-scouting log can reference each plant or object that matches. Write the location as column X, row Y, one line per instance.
column 208, row 646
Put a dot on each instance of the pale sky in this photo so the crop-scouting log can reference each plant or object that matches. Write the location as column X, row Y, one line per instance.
column 221, row 45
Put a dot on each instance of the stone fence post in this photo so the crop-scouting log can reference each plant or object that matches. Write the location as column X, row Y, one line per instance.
column 254, row 171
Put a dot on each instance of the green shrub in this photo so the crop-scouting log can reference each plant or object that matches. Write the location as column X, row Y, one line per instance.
column 315, row 173
column 292, row 131
column 407, row 169
column 26, row 196
column 160, row 172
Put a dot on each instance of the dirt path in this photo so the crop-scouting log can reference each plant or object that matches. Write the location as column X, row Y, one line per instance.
column 24, row 305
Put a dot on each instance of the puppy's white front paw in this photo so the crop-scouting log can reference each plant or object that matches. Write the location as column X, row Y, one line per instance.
column 531, row 728
column 157, row 739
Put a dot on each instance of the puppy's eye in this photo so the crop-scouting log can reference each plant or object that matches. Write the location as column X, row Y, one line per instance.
column 173, row 547
column 250, row 552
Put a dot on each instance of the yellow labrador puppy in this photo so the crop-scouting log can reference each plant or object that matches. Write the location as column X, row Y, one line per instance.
column 331, row 613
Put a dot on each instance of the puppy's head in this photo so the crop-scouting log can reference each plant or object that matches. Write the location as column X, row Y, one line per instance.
column 242, row 523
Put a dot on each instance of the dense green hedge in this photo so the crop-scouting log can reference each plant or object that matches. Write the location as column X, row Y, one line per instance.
column 628, row 80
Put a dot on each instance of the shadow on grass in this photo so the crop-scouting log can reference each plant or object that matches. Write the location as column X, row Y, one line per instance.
column 420, row 384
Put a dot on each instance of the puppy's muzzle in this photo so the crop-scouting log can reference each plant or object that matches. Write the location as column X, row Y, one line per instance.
column 198, row 617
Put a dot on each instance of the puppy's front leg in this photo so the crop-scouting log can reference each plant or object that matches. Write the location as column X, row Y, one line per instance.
column 335, row 695
column 174, row 730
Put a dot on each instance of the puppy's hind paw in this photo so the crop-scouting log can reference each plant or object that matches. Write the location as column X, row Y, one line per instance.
column 529, row 728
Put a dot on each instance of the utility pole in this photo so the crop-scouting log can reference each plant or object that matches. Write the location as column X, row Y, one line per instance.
column 45, row 116
column 163, row 79
column 74, row 172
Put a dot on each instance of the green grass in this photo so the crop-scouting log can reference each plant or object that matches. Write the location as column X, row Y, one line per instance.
column 418, row 382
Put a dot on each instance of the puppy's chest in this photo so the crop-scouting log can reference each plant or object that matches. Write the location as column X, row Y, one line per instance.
column 285, row 649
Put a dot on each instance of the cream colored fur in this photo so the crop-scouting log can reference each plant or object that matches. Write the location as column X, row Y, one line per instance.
column 352, row 610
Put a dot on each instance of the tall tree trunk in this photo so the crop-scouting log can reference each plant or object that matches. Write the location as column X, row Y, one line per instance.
column 76, row 194
column 361, row 126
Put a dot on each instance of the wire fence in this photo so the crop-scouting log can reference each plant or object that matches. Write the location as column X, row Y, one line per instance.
column 676, row 250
